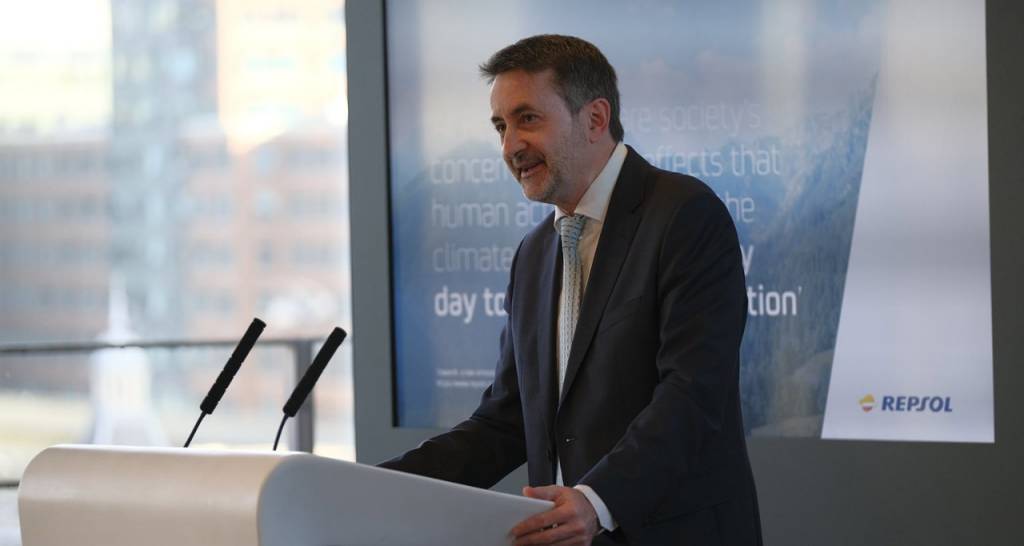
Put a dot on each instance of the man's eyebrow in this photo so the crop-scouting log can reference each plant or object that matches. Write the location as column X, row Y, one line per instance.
column 518, row 110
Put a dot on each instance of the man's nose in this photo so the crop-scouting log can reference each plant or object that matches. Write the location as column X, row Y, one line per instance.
column 512, row 144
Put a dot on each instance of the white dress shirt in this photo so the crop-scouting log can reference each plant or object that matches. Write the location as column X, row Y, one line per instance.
column 593, row 205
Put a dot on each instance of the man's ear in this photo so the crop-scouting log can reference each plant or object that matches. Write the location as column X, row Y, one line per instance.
column 599, row 114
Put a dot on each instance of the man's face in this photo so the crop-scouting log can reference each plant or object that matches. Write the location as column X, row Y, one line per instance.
column 540, row 138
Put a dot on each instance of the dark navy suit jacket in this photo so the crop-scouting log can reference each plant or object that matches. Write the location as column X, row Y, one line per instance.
column 649, row 415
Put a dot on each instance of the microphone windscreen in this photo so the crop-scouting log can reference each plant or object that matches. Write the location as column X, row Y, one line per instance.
column 309, row 379
column 233, row 364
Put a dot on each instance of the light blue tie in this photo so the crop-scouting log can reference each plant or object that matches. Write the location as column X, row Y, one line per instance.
column 570, row 228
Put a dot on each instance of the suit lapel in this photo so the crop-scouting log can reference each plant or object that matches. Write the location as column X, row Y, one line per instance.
column 616, row 236
column 547, row 317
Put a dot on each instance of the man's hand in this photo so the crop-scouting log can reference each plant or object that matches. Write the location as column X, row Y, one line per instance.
column 572, row 520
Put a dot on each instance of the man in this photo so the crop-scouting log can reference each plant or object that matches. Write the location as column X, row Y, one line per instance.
column 617, row 380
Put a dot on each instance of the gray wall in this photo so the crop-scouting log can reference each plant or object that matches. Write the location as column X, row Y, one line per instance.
column 811, row 491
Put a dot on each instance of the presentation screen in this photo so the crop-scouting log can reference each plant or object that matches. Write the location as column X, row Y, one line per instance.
column 848, row 140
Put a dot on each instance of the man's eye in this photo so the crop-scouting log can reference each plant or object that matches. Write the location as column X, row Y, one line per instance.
column 500, row 129
column 529, row 118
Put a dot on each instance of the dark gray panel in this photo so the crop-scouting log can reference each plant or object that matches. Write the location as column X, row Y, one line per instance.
column 811, row 491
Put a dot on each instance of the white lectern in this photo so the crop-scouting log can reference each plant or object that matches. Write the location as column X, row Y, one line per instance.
column 120, row 496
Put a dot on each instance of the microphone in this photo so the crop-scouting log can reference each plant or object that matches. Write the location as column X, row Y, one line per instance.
column 228, row 373
column 309, row 379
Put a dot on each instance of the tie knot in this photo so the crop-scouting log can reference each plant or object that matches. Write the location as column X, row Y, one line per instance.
column 570, row 228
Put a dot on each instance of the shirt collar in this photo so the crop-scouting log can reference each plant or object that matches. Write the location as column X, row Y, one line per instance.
column 594, row 203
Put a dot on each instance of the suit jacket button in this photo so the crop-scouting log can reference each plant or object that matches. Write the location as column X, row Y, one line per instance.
column 569, row 439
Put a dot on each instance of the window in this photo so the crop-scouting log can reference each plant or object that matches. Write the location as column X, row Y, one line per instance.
column 129, row 210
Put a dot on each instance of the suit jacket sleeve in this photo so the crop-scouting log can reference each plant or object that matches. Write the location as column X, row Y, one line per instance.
column 701, row 316
column 483, row 449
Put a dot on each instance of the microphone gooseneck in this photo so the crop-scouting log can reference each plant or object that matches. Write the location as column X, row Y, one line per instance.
column 228, row 373
column 309, row 379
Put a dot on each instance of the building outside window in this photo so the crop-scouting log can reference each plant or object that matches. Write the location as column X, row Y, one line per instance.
column 140, row 142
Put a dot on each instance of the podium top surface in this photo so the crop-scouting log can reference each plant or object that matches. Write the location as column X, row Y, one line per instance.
column 174, row 496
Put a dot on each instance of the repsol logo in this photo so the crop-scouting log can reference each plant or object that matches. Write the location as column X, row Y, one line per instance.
column 901, row 403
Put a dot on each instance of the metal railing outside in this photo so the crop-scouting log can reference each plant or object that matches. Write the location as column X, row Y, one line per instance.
column 301, row 435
